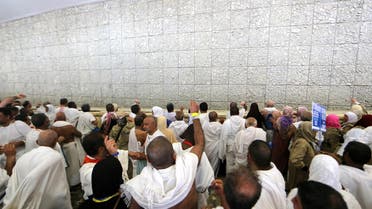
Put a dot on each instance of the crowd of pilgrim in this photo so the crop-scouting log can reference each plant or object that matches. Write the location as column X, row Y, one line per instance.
column 251, row 158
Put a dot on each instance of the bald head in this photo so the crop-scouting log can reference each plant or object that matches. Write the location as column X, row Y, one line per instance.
column 270, row 103
column 150, row 124
column 47, row 138
column 160, row 153
column 60, row 116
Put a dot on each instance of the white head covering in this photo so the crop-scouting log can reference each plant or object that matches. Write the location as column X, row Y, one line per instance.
column 355, row 134
column 157, row 111
column 325, row 169
column 164, row 188
column 352, row 117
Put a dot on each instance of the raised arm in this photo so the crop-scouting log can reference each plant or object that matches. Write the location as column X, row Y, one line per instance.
column 10, row 153
column 198, row 148
column 9, row 100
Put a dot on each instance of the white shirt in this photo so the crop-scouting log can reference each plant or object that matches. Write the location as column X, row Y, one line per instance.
column 228, row 132
column 85, row 124
column 270, row 109
column 31, row 143
column 179, row 127
column 203, row 117
column 16, row 131
column 243, row 139
column 359, row 183
column 149, row 137
column 170, row 116
column 134, row 145
column 72, row 114
column 86, row 171
column 38, row 181
column 242, row 112
column 212, row 137
column 204, row 173
column 273, row 189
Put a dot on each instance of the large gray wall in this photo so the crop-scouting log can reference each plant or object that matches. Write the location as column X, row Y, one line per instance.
column 291, row 51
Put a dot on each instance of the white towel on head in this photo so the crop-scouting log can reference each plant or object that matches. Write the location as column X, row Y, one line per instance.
column 164, row 188
column 325, row 169
column 355, row 134
column 157, row 111
column 352, row 117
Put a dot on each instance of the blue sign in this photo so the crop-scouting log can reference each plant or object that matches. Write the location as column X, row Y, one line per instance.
column 319, row 117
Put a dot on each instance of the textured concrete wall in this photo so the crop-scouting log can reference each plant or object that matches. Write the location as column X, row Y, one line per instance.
column 291, row 51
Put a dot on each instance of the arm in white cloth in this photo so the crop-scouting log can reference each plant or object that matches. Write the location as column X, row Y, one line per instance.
column 123, row 158
column 41, row 170
column 204, row 173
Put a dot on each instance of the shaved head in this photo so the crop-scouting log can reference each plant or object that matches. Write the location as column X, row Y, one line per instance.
column 47, row 138
column 160, row 153
column 60, row 116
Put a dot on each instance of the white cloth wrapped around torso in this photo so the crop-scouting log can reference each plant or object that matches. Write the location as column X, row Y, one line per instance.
column 164, row 188
column 38, row 181
column 273, row 194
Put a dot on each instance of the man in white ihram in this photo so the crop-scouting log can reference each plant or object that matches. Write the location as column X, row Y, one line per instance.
column 229, row 130
column 39, row 178
column 169, row 179
column 244, row 138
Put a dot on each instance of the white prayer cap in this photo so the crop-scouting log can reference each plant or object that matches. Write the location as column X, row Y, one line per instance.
column 355, row 134
column 51, row 108
column 157, row 111
column 352, row 117
column 325, row 169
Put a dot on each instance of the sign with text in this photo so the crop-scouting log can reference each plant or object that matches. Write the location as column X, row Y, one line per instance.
column 319, row 117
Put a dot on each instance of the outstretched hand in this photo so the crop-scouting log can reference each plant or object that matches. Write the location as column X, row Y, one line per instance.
column 9, row 150
column 111, row 145
column 194, row 107
column 20, row 96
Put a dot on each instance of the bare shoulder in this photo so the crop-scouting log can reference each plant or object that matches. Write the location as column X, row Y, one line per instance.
column 190, row 201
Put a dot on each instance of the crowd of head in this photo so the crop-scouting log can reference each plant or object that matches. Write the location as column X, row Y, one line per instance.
column 252, row 158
